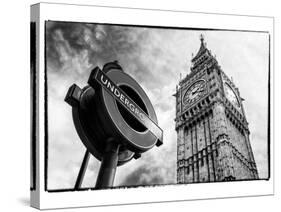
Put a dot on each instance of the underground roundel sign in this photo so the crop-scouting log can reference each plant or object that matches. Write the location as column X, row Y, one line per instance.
column 114, row 106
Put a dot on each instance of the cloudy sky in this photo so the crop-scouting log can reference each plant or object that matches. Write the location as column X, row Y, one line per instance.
column 155, row 58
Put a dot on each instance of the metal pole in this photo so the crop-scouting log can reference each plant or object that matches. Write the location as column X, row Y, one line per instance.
column 108, row 165
column 82, row 170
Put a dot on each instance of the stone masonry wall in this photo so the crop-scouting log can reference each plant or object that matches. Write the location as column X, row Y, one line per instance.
column 198, row 162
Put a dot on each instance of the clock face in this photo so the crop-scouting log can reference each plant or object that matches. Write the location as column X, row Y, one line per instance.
column 231, row 95
column 194, row 92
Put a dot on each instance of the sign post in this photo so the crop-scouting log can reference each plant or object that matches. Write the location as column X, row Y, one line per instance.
column 114, row 119
column 82, row 170
column 108, row 165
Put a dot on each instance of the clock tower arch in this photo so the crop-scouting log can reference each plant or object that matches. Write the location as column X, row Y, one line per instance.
column 212, row 131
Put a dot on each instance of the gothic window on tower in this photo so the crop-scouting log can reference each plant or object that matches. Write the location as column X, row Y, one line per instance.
column 202, row 162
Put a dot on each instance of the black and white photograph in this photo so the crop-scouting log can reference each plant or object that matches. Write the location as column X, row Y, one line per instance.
column 214, row 119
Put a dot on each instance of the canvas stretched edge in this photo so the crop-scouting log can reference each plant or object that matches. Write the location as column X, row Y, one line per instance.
column 34, row 82
column 72, row 13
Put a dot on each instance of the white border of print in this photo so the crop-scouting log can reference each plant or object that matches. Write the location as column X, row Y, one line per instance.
column 80, row 13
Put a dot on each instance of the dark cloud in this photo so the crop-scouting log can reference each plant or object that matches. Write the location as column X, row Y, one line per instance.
column 144, row 176
column 155, row 167
column 102, row 42
column 131, row 46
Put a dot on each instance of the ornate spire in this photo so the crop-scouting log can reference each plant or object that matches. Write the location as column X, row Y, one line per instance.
column 202, row 48
column 203, row 57
column 202, row 38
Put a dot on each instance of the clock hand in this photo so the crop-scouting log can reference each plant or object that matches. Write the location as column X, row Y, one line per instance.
column 193, row 92
column 197, row 90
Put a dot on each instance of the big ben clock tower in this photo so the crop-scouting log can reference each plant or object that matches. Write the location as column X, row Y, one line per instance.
column 212, row 131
